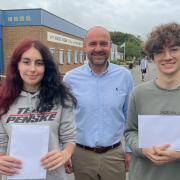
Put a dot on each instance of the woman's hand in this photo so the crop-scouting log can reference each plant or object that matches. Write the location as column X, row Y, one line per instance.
column 9, row 166
column 55, row 159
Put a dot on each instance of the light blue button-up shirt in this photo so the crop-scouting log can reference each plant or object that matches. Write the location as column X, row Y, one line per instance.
column 102, row 107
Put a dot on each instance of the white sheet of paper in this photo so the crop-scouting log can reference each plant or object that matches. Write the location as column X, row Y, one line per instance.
column 28, row 144
column 158, row 130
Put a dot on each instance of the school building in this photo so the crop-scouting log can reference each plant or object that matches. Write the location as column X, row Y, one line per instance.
column 64, row 39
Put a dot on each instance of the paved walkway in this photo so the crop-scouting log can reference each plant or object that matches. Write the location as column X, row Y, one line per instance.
column 136, row 72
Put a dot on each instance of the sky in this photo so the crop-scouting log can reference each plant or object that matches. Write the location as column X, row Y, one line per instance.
column 137, row 17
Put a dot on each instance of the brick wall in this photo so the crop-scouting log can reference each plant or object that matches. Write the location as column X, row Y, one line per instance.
column 13, row 35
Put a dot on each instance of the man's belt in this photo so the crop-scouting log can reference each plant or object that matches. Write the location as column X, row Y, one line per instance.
column 99, row 149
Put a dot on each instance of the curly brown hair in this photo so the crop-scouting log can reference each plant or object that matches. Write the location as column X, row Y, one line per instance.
column 161, row 36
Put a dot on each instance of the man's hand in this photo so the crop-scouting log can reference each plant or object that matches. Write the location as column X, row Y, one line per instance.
column 68, row 167
column 128, row 156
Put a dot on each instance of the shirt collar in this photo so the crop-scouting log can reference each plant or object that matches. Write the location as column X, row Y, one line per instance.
column 92, row 72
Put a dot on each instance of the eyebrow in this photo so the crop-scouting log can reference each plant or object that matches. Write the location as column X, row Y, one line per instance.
column 98, row 42
column 26, row 58
column 173, row 45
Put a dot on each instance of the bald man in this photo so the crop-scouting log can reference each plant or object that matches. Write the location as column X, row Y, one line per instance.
column 102, row 90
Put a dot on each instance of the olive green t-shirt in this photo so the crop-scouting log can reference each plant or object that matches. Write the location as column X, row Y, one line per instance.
column 149, row 99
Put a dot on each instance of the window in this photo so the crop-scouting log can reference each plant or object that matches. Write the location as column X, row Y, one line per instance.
column 81, row 57
column 28, row 18
column 16, row 19
column 76, row 56
column 61, row 56
column 10, row 19
column 52, row 50
column 69, row 56
column 21, row 18
column 85, row 56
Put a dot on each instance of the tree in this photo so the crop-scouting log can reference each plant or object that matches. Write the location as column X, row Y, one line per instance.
column 133, row 43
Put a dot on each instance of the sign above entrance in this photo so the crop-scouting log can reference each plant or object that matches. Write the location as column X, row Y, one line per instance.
column 63, row 40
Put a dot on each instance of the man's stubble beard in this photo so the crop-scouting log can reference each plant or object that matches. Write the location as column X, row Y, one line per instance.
column 99, row 62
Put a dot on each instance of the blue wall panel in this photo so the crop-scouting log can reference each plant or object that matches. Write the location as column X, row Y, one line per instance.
column 1, row 52
column 21, row 17
column 55, row 22
column 39, row 17
column 1, row 43
column 0, row 32
column 1, row 58
column 1, row 17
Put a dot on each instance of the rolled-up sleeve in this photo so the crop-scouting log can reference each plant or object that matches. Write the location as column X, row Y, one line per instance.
column 3, row 138
column 67, row 126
